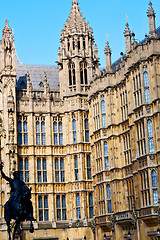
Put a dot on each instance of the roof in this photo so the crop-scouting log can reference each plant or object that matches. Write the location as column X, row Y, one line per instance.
column 36, row 74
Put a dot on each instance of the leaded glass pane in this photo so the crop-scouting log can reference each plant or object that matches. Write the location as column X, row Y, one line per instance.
column 55, row 139
column 155, row 196
column 105, row 149
column 58, row 202
column 21, row 176
column 109, row 206
column 103, row 106
column 106, row 163
column 44, row 164
column 62, row 176
column 57, row 176
column 90, row 199
column 59, row 214
column 108, row 192
column 38, row 164
column 151, row 145
column 104, row 120
column 26, row 164
column 42, row 126
column 77, row 200
column 45, row 176
column 76, row 174
column 40, row 215
column 61, row 138
column 27, row 176
column 21, row 164
column 20, row 138
column 39, row 176
column 25, row 138
column 43, row 138
column 60, row 127
column 89, row 173
column 87, row 136
column 40, row 202
column 45, row 202
column 62, row 164
column 56, row 164
column 147, row 95
column 38, row 138
column 63, row 201
column 25, row 126
column 78, row 213
column 64, row 216
column 74, row 137
column 74, row 125
column 150, row 130
column 55, row 127
column 37, row 127
column 154, row 179
column 75, row 162
column 88, row 161
column 19, row 126
column 91, row 212
column 146, row 82
column 86, row 124
column 46, row 215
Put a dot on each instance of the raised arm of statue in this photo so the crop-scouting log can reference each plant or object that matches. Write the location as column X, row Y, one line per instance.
column 3, row 174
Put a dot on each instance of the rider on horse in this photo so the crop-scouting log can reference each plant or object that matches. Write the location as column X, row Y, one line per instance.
column 19, row 205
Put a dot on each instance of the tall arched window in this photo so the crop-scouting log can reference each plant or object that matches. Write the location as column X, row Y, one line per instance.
column 150, row 136
column 83, row 73
column 24, row 169
column 76, row 168
column 103, row 111
column 106, row 157
column 90, row 205
column 72, row 76
column 74, row 131
column 89, row 176
column 109, row 204
column 146, row 85
column 154, row 187
column 86, row 130
column 78, row 206
column 43, row 208
column 22, row 130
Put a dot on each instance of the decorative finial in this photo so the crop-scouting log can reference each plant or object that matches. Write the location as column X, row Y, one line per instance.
column 75, row 2
column 28, row 77
column 45, row 77
column 6, row 22
column 126, row 18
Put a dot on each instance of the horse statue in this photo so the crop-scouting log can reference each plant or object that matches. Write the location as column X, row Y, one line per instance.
column 19, row 206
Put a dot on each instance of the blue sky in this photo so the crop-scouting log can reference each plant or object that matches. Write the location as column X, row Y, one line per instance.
column 37, row 25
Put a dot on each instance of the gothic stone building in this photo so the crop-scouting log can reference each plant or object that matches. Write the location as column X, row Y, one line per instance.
column 87, row 141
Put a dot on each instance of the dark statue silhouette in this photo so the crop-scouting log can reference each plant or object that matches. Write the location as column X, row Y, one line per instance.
column 19, row 206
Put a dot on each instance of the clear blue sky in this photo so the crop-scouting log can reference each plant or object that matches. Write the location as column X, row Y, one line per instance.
column 37, row 25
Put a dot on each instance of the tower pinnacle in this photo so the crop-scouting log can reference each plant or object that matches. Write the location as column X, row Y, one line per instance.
column 151, row 18
column 127, row 34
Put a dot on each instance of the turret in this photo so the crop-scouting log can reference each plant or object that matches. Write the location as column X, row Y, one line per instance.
column 108, row 53
column 127, row 34
column 77, row 58
column 151, row 19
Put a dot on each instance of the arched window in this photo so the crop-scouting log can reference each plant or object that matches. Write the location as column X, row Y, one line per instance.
column 72, row 76
column 106, row 157
column 103, row 111
column 146, row 85
column 61, row 207
column 83, row 73
column 24, row 169
column 76, row 168
column 150, row 136
column 154, row 179
column 89, row 167
column 86, row 130
column 74, row 131
column 109, row 199
column 78, row 206
column 57, row 131
column 43, row 208
column 109, row 205
column 154, row 187
column 90, row 205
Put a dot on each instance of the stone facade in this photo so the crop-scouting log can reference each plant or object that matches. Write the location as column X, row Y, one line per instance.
column 88, row 142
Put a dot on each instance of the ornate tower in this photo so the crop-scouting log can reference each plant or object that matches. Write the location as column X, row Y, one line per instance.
column 77, row 57
column 8, row 100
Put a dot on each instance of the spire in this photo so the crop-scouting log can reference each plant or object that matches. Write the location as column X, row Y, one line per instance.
column 108, row 53
column 127, row 34
column 151, row 19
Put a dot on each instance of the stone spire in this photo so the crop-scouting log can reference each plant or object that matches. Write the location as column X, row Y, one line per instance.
column 108, row 54
column 127, row 34
column 151, row 19
column 7, row 50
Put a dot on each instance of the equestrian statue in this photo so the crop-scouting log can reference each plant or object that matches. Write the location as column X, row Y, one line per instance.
column 19, row 206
